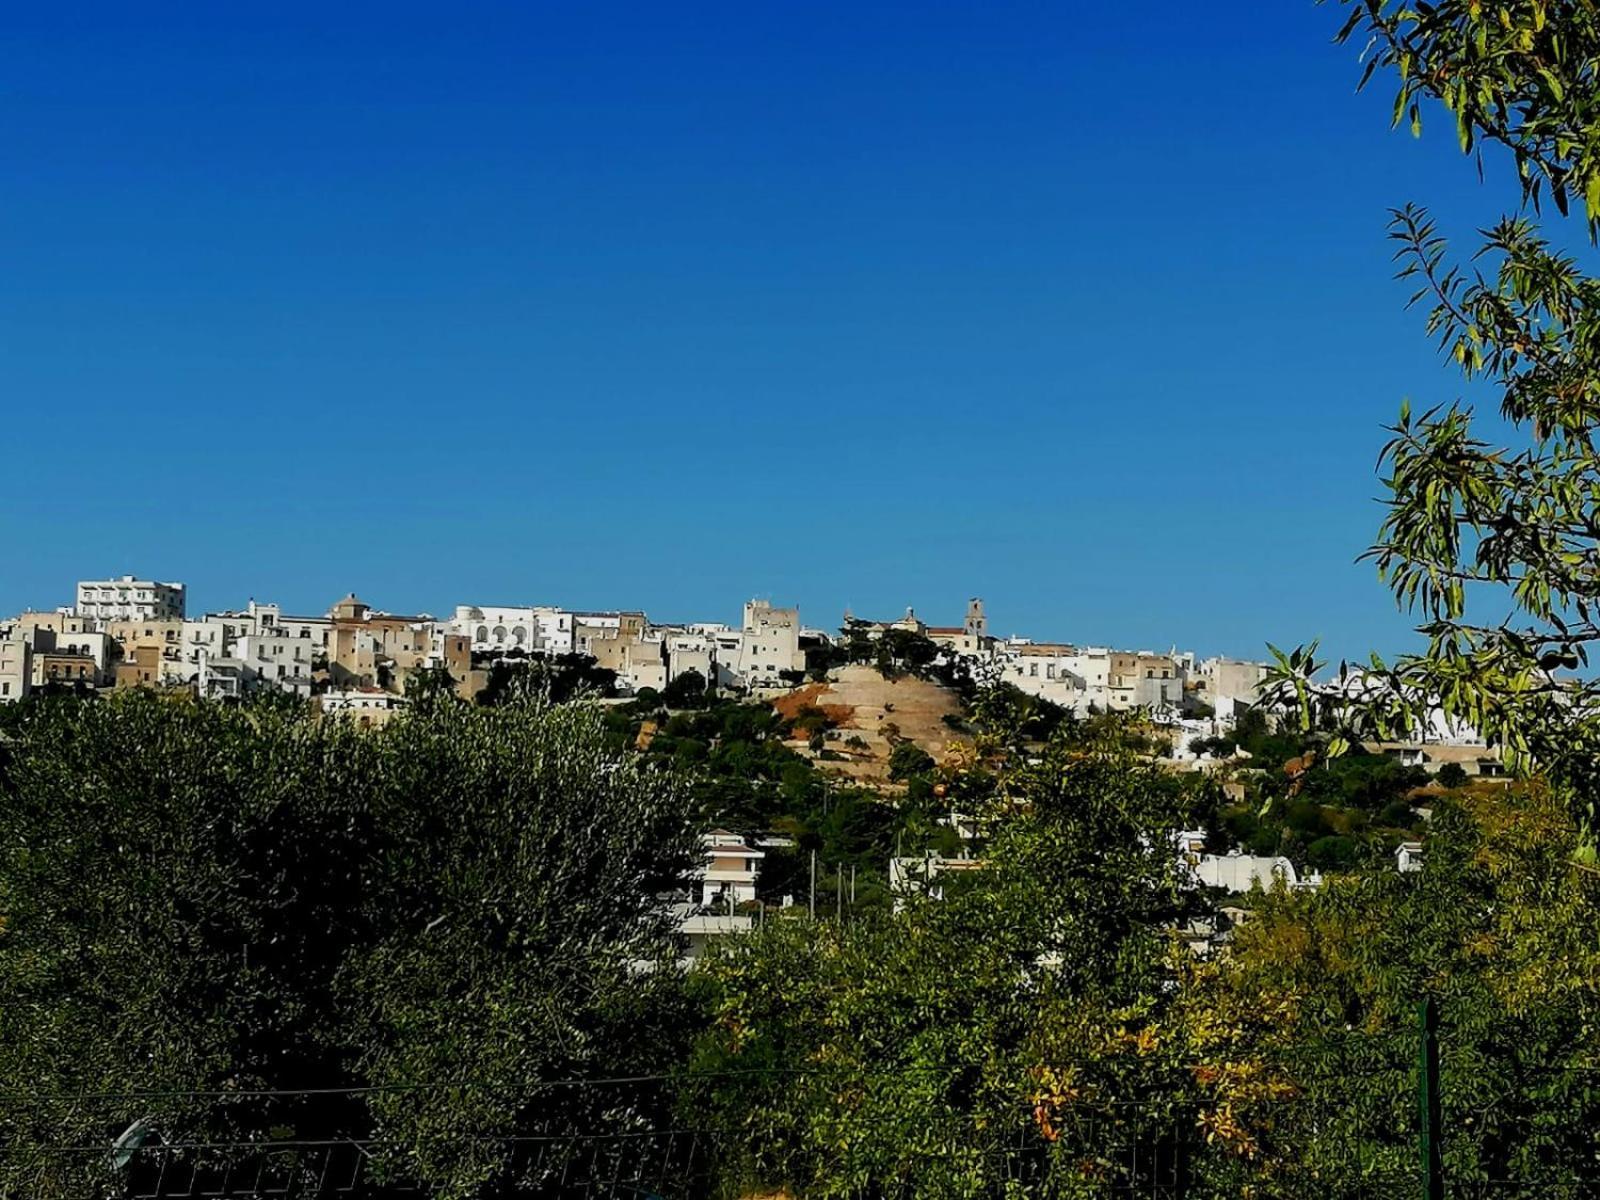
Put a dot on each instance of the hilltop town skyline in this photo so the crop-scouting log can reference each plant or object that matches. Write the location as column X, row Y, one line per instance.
column 1009, row 617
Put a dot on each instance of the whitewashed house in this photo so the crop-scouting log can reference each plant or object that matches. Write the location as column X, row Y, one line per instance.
column 728, row 875
column 770, row 645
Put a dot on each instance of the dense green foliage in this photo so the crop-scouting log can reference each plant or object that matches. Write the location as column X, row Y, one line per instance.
column 1312, row 1014
column 198, row 897
column 446, row 910
column 743, row 775
column 557, row 679
column 901, row 1053
column 1320, row 812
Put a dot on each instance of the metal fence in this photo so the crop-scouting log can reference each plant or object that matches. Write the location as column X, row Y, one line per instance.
column 640, row 1137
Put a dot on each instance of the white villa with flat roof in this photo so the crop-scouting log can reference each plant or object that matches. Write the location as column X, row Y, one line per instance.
column 730, row 870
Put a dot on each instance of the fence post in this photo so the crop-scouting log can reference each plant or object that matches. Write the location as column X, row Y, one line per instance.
column 1428, row 1101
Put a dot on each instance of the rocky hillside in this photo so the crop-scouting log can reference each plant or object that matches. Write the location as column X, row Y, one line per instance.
column 869, row 713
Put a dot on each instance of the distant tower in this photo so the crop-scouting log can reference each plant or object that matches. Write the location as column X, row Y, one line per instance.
column 977, row 623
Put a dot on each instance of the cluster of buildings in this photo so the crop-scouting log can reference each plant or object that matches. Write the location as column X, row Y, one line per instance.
column 1087, row 679
column 131, row 632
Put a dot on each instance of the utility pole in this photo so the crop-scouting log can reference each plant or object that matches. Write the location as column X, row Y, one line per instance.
column 813, row 885
column 838, row 894
column 1432, row 1159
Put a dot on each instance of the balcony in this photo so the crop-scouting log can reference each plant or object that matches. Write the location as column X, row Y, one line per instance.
column 726, row 875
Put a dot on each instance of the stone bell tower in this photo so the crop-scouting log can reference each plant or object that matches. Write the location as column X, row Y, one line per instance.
column 977, row 623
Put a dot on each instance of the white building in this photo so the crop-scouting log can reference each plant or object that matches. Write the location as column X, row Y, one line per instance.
column 208, row 638
column 16, row 667
column 728, row 876
column 365, row 704
column 534, row 629
column 910, row 877
column 691, row 652
column 770, row 645
column 552, row 630
column 230, row 653
column 129, row 599
column 709, row 648
column 97, row 648
column 644, row 664
column 1228, row 685
column 277, row 659
column 269, row 619
column 1074, row 677
column 1241, row 872
column 493, row 628
column 220, row 678
column 1408, row 857
column 1062, row 674
column 727, row 648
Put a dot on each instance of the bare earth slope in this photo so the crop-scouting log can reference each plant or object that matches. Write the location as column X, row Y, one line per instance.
column 864, row 704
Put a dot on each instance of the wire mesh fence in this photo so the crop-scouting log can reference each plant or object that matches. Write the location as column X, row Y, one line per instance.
column 1345, row 1125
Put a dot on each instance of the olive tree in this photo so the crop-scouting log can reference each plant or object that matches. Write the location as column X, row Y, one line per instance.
column 205, row 909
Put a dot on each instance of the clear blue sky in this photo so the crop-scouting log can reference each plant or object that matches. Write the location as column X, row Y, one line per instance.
column 1085, row 309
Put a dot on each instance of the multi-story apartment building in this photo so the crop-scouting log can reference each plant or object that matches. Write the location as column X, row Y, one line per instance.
column 151, row 651
column 206, row 639
column 16, row 668
column 277, row 659
column 1145, row 680
column 729, row 871
column 129, row 599
column 63, row 667
column 214, row 641
column 60, row 621
column 270, row 619
column 94, row 647
column 140, row 666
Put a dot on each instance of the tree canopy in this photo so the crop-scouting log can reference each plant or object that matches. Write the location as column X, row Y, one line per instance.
column 1502, row 516
column 202, row 901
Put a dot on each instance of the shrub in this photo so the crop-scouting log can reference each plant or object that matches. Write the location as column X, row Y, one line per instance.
column 908, row 759
column 1331, row 853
